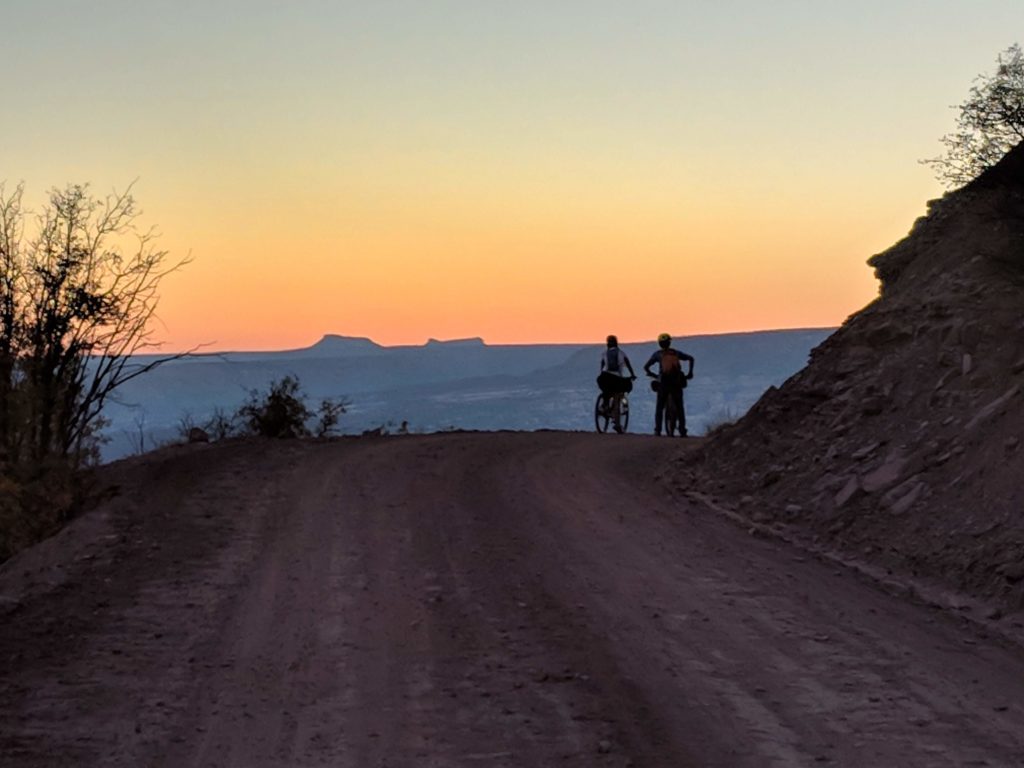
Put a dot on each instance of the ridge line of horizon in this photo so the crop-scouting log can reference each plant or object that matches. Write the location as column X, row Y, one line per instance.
column 481, row 341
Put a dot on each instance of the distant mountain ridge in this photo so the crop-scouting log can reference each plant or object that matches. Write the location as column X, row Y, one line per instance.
column 336, row 343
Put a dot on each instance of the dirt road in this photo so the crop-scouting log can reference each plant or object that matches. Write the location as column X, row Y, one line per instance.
column 468, row 600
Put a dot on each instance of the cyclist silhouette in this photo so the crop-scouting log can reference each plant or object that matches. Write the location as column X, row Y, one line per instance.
column 671, row 381
column 613, row 380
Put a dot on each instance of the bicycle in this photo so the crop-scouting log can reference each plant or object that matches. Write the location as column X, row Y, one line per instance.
column 671, row 414
column 604, row 411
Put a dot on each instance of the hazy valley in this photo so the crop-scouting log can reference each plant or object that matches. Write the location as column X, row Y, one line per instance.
column 463, row 384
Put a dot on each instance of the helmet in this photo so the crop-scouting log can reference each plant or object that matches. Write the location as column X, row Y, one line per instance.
column 664, row 339
column 612, row 340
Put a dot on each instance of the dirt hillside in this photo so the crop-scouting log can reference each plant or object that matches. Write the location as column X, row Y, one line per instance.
column 900, row 442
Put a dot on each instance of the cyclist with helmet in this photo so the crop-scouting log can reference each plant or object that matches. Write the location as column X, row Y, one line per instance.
column 671, row 380
column 613, row 380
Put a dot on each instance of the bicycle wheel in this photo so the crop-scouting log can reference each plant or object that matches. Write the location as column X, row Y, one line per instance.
column 602, row 414
column 624, row 413
column 671, row 417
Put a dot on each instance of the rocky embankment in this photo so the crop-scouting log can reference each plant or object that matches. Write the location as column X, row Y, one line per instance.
column 900, row 442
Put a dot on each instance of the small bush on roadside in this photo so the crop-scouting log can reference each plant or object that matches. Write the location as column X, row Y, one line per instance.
column 186, row 423
column 282, row 412
column 328, row 414
column 220, row 425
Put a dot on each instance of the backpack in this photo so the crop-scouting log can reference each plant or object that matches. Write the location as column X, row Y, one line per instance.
column 670, row 363
column 612, row 357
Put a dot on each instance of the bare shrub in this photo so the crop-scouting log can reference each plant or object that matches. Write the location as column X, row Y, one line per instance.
column 220, row 425
column 78, row 292
column 280, row 412
column 328, row 415
column 990, row 123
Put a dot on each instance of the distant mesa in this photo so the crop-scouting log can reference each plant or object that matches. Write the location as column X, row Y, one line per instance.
column 334, row 343
column 475, row 341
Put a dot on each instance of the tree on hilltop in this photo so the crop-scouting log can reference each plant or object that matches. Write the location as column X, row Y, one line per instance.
column 990, row 123
column 78, row 292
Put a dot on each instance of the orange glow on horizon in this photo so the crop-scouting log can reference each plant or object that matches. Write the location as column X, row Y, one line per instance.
column 524, row 173
column 550, row 276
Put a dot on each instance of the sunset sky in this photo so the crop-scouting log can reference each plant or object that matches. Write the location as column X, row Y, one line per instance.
column 525, row 172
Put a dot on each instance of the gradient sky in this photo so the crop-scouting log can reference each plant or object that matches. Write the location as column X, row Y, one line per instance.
column 526, row 172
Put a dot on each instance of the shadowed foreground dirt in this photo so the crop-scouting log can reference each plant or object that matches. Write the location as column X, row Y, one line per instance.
column 476, row 599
